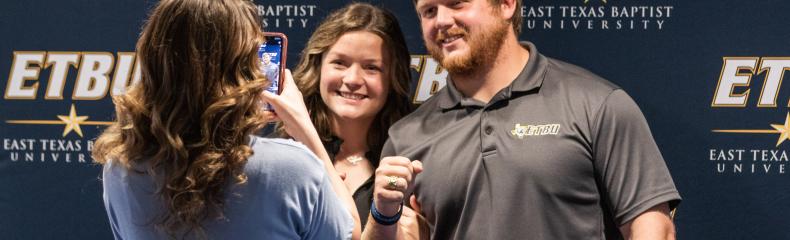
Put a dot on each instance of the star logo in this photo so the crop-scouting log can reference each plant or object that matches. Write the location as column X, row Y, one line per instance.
column 72, row 122
column 782, row 129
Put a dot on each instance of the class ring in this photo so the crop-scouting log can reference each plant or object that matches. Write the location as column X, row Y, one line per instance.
column 392, row 182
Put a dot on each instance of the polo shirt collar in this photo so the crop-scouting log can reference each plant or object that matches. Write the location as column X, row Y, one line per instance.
column 530, row 78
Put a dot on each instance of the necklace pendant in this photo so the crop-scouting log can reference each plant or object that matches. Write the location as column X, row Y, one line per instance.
column 354, row 160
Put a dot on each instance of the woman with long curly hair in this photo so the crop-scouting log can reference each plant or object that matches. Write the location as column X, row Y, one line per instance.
column 180, row 162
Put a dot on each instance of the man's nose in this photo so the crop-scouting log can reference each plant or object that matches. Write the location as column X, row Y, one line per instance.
column 444, row 18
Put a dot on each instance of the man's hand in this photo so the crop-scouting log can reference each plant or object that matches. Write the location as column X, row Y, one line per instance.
column 394, row 182
column 412, row 225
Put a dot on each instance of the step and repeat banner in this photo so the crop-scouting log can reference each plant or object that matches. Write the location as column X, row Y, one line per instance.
column 708, row 76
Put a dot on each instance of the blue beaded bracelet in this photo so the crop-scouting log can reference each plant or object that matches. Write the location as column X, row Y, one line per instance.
column 384, row 220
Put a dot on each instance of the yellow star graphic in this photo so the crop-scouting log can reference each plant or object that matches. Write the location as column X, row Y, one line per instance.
column 72, row 122
column 784, row 130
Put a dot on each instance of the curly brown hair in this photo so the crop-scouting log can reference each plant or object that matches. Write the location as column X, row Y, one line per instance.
column 196, row 104
column 357, row 17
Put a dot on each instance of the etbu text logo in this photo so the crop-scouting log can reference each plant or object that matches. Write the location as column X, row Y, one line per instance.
column 535, row 130
column 734, row 88
column 93, row 80
column 738, row 72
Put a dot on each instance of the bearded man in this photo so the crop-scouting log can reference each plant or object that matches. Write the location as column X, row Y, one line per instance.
column 518, row 145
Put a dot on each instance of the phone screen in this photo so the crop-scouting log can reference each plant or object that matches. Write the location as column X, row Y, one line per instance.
column 272, row 60
column 270, row 54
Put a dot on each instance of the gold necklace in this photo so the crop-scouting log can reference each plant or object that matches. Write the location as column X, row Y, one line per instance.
column 354, row 159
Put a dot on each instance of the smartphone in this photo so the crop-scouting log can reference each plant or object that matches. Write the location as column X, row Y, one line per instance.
column 272, row 56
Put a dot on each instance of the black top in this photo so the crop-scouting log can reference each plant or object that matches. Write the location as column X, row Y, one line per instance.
column 363, row 196
column 560, row 153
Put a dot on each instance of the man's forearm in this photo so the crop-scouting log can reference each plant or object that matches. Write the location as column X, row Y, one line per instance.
column 376, row 231
column 655, row 223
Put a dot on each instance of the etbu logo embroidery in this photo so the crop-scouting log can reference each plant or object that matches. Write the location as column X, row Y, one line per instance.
column 535, row 130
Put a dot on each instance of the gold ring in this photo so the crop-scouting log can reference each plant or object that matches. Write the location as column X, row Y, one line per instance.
column 392, row 182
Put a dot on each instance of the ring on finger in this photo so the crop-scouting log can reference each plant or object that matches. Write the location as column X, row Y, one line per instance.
column 392, row 182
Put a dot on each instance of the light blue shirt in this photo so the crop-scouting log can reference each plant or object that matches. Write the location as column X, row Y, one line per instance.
column 288, row 195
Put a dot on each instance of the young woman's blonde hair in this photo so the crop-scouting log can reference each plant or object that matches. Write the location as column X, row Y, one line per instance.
column 198, row 100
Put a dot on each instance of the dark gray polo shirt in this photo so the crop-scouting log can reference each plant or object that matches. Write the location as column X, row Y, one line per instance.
column 559, row 154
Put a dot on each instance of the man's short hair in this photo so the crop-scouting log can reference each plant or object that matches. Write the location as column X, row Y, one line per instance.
column 515, row 20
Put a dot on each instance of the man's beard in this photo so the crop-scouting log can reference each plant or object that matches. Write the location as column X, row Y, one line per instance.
column 483, row 49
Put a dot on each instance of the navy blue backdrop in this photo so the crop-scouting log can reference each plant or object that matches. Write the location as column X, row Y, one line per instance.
column 706, row 74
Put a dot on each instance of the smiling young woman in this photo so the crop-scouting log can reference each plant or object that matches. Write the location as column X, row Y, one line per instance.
column 354, row 75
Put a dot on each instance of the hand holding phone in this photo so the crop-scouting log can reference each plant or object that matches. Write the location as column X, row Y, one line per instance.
column 272, row 56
